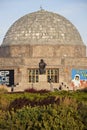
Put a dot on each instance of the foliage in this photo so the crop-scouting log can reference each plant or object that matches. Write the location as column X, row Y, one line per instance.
column 82, row 111
column 3, row 90
column 51, row 117
column 83, row 90
column 4, row 103
column 57, row 110
column 21, row 102
column 32, row 90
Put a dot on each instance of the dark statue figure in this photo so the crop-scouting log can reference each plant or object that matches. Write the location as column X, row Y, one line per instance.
column 42, row 66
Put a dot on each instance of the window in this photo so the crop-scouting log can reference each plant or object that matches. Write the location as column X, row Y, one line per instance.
column 53, row 74
column 33, row 75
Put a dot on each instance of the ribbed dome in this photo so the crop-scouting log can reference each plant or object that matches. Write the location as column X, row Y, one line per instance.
column 42, row 27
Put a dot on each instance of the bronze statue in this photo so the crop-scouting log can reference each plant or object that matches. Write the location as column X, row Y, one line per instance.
column 42, row 65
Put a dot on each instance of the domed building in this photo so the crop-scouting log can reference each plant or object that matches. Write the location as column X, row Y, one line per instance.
column 37, row 36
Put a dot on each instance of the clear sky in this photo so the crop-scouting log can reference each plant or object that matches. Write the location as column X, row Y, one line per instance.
column 73, row 10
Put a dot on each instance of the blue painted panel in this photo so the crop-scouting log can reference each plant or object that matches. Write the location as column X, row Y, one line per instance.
column 82, row 73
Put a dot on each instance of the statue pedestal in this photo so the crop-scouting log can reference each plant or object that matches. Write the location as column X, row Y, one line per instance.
column 42, row 84
column 42, row 78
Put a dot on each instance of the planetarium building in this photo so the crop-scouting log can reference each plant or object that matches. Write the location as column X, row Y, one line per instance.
column 41, row 36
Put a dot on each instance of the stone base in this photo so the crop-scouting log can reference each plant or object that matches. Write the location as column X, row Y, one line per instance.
column 42, row 78
column 42, row 84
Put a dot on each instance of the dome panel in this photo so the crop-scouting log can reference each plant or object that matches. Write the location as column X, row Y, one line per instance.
column 42, row 27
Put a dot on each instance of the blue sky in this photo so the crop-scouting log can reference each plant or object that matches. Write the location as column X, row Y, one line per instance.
column 73, row 10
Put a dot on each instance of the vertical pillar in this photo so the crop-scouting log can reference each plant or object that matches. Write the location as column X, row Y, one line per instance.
column 24, row 78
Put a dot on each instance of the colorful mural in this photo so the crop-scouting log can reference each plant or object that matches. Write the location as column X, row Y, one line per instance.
column 79, row 78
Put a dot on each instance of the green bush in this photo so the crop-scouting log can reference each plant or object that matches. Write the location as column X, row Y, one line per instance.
column 51, row 117
column 3, row 90
column 51, row 111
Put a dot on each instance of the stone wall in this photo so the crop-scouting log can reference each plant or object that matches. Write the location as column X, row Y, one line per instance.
column 21, row 58
column 21, row 66
column 43, row 51
column 10, row 62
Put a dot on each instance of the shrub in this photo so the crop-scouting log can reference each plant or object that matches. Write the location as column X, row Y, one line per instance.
column 32, row 90
column 51, row 117
column 82, row 110
column 4, row 103
column 50, row 111
column 83, row 90
column 21, row 102
column 3, row 90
